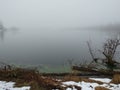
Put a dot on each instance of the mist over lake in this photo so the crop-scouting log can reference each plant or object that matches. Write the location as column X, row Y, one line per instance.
column 50, row 46
column 51, row 32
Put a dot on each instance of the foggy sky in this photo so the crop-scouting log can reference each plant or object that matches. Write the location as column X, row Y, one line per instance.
column 59, row 13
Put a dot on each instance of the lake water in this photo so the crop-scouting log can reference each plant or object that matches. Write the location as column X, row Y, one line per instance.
column 50, row 47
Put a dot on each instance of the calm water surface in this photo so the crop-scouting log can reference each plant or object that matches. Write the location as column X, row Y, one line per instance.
column 50, row 47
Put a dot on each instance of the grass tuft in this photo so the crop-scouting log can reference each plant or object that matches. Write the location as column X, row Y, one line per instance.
column 101, row 88
column 116, row 79
column 79, row 79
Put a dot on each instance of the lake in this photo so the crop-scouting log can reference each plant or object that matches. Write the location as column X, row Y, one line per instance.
column 50, row 47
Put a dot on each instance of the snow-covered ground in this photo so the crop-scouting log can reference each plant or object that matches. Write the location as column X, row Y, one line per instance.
column 10, row 86
column 91, row 86
column 84, row 85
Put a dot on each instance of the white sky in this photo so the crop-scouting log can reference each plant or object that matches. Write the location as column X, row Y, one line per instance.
column 59, row 13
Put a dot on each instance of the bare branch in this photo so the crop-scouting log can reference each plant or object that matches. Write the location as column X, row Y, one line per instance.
column 90, row 50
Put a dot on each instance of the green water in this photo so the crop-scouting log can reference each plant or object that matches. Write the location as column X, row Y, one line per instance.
column 46, row 69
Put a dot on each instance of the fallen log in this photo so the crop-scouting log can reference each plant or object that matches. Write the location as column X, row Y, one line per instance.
column 90, row 74
column 94, row 71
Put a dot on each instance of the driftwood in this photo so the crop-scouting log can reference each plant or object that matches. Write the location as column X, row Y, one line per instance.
column 60, row 75
column 94, row 71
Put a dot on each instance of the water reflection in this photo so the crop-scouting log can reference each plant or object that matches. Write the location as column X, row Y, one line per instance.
column 4, row 32
column 2, row 35
column 4, row 29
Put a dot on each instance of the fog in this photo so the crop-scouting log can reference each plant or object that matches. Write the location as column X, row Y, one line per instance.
column 51, row 32
column 59, row 13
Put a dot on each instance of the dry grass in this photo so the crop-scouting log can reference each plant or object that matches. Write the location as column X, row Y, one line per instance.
column 116, row 79
column 101, row 88
column 29, row 77
column 78, row 79
column 72, row 78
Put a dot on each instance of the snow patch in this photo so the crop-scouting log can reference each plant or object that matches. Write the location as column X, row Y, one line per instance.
column 91, row 86
column 10, row 86
column 105, row 80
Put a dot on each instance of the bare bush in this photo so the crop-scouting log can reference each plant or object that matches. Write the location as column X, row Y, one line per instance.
column 109, row 51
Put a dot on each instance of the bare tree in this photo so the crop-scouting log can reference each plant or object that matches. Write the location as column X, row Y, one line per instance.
column 102, row 64
column 91, row 52
column 109, row 50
